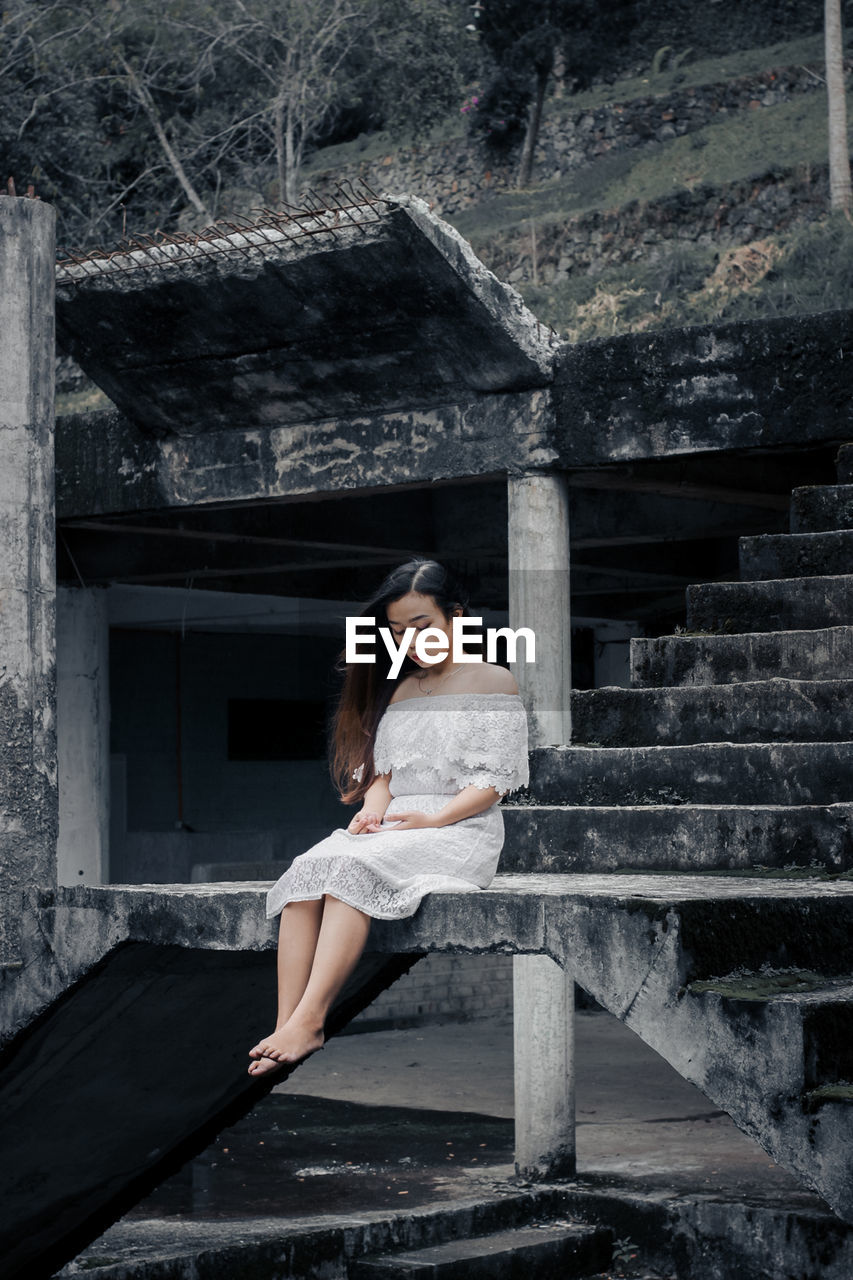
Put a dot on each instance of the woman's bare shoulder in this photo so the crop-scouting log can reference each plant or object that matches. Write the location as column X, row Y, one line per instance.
column 406, row 688
column 488, row 677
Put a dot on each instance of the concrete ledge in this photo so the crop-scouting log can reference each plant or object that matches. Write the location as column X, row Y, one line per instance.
column 780, row 604
column 731, row 1239
column 802, row 773
column 708, row 388
column 108, row 465
column 775, row 710
column 704, row 660
column 817, row 508
column 796, row 555
column 509, row 916
column 299, row 319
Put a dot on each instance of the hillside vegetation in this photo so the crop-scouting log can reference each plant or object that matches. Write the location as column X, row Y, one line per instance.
column 725, row 221
column 659, row 252
column 688, row 276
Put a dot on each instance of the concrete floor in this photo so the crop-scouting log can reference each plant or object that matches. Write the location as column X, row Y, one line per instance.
column 636, row 1117
column 405, row 1122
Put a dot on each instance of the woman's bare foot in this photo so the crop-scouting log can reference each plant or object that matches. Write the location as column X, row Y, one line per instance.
column 288, row 1044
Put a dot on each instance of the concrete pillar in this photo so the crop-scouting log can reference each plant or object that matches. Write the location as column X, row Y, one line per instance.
column 543, row 1034
column 28, row 782
column 538, row 538
column 543, row 994
column 83, row 733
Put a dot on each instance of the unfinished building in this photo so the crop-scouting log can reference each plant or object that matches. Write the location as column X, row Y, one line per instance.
column 302, row 401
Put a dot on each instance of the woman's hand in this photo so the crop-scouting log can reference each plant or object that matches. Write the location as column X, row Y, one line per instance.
column 365, row 820
column 408, row 820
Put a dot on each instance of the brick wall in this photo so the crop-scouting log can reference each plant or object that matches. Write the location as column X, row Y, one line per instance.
column 443, row 988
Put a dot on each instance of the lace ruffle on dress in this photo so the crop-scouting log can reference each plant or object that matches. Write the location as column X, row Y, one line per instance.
column 433, row 747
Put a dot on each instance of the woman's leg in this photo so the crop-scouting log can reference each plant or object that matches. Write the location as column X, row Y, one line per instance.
column 298, row 931
column 342, row 938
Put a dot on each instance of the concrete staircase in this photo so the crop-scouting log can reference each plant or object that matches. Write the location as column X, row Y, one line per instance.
column 550, row 1250
column 732, row 752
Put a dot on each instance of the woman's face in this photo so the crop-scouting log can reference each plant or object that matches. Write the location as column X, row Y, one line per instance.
column 418, row 611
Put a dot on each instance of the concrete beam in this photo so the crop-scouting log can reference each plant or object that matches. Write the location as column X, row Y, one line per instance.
column 747, row 385
column 105, row 464
column 28, row 780
column 297, row 320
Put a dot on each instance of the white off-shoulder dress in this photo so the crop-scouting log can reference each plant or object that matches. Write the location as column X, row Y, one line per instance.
column 433, row 747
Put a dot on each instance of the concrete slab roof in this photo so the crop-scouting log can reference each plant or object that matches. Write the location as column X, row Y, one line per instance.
column 362, row 307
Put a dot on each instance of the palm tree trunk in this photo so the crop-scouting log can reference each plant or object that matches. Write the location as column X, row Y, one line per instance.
column 839, row 148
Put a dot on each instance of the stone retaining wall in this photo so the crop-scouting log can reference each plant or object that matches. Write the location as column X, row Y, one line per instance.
column 456, row 174
column 741, row 213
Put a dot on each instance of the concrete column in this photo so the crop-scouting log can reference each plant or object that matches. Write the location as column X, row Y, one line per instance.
column 28, row 782
column 83, row 732
column 538, row 537
column 543, row 1034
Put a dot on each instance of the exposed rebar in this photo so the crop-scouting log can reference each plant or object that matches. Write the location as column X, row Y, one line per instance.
column 347, row 206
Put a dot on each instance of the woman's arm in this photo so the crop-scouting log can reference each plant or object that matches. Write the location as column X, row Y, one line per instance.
column 376, row 800
column 466, row 803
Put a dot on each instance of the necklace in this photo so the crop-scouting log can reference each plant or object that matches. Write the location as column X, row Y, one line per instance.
column 426, row 692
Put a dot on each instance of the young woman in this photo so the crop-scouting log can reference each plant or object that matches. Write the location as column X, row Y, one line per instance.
column 431, row 753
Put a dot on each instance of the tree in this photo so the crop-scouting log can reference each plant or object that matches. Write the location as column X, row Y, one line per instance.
column 416, row 63
column 839, row 148
column 524, row 38
column 114, row 106
column 293, row 52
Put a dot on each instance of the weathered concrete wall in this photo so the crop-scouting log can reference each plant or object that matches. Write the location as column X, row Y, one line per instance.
column 106, row 464
column 747, row 385
column 736, row 387
column 28, row 778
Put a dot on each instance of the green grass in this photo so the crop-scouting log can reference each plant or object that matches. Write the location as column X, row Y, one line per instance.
column 762, row 986
column 779, row 139
column 807, row 50
column 375, row 146
column 83, row 401
column 806, row 269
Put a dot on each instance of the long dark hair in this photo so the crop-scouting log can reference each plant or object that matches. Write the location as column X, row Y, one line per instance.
column 367, row 690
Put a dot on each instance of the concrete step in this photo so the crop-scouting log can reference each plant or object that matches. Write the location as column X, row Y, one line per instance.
column 828, row 1039
column 623, row 838
column 806, row 1011
column 800, row 1027
column 190, row 1246
column 796, row 555
column 823, row 654
column 801, row 773
column 546, row 1250
column 815, row 508
column 776, row 710
column 844, row 464
column 778, row 604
